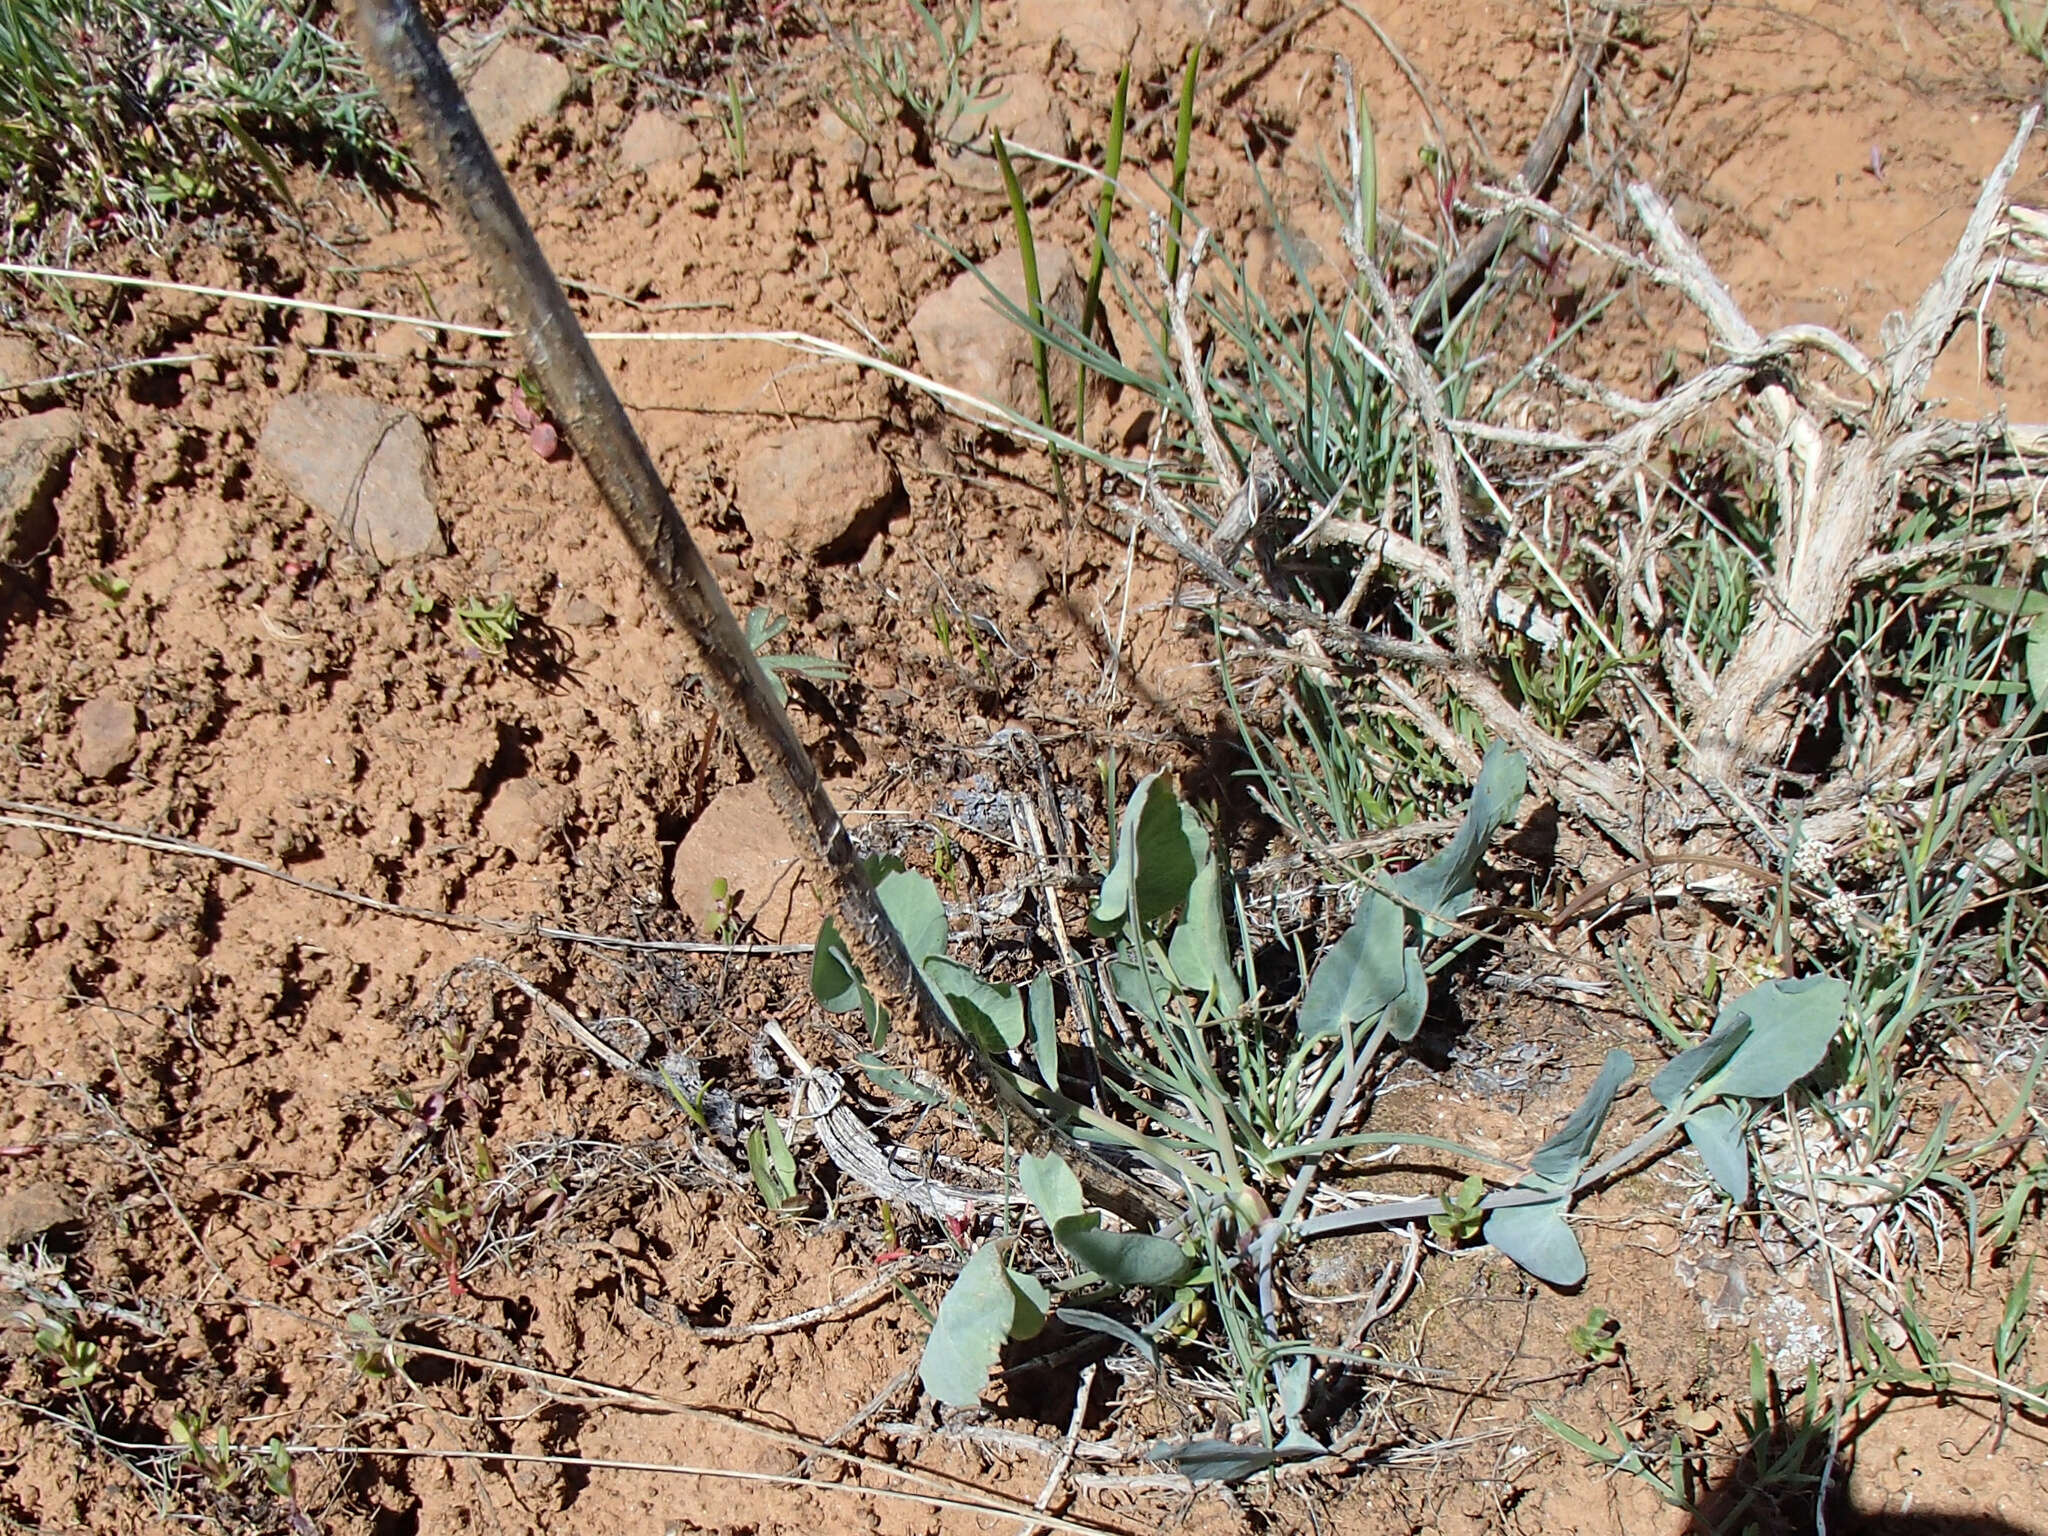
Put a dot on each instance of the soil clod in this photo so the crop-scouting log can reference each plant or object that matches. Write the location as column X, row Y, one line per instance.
column 820, row 490
column 35, row 457
column 966, row 340
column 104, row 737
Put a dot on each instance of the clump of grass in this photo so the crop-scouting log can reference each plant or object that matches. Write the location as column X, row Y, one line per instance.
column 123, row 113
column 924, row 84
column 1413, row 592
column 2027, row 24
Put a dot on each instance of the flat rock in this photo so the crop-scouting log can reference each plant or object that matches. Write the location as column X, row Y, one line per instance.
column 32, row 1210
column 965, row 340
column 21, row 364
column 526, row 817
column 1030, row 114
column 1152, row 34
column 822, row 490
column 740, row 839
column 103, row 736
column 652, row 138
column 580, row 612
column 512, row 90
column 365, row 465
column 35, row 459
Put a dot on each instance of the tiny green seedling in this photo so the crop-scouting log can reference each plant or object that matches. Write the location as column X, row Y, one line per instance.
column 77, row 1359
column 113, row 588
column 491, row 626
column 420, row 605
column 2001, row 1226
column 1461, row 1218
column 443, row 1211
column 278, row 1476
column 773, row 1168
column 2013, row 1328
column 210, row 1452
column 371, row 1356
column 693, row 1106
column 736, row 124
column 763, row 629
column 1597, row 1340
column 723, row 919
column 945, row 860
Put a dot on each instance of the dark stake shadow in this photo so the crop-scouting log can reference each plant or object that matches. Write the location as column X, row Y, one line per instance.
column 1772, row 1488
column 541, row 655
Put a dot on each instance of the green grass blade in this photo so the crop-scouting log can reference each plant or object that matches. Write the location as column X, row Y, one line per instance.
column 1091, row 300
column 1027, row 251
column 1183, row 135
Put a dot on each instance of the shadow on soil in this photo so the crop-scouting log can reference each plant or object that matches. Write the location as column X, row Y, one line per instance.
column 1771, row 1493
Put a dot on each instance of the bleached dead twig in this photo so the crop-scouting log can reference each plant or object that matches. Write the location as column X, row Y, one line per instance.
column 1836, row 497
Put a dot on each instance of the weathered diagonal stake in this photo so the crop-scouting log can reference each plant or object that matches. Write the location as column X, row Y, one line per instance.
column 416, row 84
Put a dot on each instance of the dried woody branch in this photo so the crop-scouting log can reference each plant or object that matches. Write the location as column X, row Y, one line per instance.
column 1840, row 464
column 416, row 84
column 1838, row 495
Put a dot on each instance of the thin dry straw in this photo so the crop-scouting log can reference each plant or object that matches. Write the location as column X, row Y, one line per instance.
column 49, row 818
column 984, row 1511
column 795, row 341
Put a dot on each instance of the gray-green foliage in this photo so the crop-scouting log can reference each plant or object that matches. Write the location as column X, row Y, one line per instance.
column 1239, row 1097
column 922, row 82
column 131, row 107
column 763, row 630
column 989, row 1013
column 1234, row 1091
column 991, row 1303
column 988, row 1304
column 1535, row 1235
column 1374, row 973
column 1763, row 1043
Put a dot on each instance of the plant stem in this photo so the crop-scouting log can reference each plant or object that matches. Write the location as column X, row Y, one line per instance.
column 1183, row 135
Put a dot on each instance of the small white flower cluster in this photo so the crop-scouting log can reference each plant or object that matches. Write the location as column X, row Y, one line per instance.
column 1894, row 938
column 1841, row 910
column 1811, row 857
column 1880, row 841
column 1753, row 971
